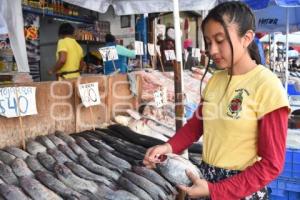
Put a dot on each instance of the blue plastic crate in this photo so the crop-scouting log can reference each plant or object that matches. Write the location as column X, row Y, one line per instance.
column 292, row 164
column 292, row 90
column 280, row 184
column 287, row 196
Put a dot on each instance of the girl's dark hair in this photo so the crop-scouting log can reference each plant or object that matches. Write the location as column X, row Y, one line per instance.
column 240, row 14
column 110, row 38
column 66, row 29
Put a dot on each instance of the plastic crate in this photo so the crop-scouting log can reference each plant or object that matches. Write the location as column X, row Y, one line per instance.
column 292, row 164
column 287, row 195
column 292, row 90
column 281, row 184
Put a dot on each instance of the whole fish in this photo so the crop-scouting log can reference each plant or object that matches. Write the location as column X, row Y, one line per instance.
column 173, row 167
column 98, row 169
column 109, row 194
column 56, row 140
column 36, row 190
column 34, row 164
column 58, row 156
column 68, row 151
column 57, row 186
column 33, row 147
column 65, row 175
column 97, row 159
column 86, row 174
column 152, row 189
column 7, row 175
column 46, row 160
column 19, row 153
column 77, row 149
column 99, row 144
column 20, row 168
column 84, row 144
column 12, row 192
column 6, row 157
column 109, row 157
column 134, row 189
column 66, row 138
column 154, row 177
column 44, row 140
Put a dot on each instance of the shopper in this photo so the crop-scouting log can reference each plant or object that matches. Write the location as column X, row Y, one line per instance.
column 123, row 55
column 69, row 54
column 242, row 116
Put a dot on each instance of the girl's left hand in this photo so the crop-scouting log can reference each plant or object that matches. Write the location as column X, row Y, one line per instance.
column 198, row 189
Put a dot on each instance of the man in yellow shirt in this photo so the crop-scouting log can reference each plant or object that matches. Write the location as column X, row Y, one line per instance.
column 69, row 54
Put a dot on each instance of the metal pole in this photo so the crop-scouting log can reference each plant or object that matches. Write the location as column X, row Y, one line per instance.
column 287, row 49
column 178, row 68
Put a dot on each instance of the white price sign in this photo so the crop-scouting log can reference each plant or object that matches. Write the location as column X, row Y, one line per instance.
column 17, row 101
column 196, row 52
column 170, row 55
column 160, row 97
column 138, row 47
column 109, row 53
column 186, row 54
column 151, row 49
column 89, row 94
column 157, row 48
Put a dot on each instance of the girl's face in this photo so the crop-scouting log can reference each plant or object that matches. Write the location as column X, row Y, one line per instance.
column 218, row 45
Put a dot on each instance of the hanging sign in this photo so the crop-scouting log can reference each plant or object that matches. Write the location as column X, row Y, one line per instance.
column 170, row 55
column 89, row 94
column 151, row 49
column 160, row 97
column 109, row 53
column 196, row 53
column 17, row 101
column 138, row 47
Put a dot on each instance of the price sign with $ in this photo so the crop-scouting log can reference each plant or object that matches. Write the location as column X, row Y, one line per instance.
column 89, row 94
column 17, row 101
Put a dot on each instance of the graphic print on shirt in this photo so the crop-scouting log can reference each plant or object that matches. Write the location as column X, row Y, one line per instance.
column 235, row 105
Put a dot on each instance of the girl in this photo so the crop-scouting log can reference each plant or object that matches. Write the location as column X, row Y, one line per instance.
column 242, row 116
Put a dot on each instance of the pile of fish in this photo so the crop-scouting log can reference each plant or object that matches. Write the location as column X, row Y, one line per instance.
column 102, row 164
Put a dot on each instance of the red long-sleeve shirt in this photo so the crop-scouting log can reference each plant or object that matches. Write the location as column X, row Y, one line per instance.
column 271, row 148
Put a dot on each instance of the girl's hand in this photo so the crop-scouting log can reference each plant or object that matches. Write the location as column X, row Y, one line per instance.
column 153, row 153
column 198, row 189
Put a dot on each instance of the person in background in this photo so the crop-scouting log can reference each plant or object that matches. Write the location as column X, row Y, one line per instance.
column 168, row 44
column 69, row 54
column 260, row 50
column 123, row 54
column 242, row 116
column 189, row 60
column 94, row 62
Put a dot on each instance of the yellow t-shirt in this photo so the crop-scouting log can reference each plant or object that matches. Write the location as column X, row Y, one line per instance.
column 231, row 123
column 74, row 55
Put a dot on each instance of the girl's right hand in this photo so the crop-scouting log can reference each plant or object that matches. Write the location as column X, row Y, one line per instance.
column 152, row 155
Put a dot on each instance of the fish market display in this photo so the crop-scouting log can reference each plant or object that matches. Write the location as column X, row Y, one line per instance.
column 104, row 164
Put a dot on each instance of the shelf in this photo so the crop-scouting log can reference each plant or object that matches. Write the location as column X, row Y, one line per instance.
column 54, row 15
column 87, row 42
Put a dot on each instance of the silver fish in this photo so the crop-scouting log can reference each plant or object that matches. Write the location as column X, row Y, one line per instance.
column 68, row 151
column 20, row 168
column 58, row 156
column 44, row 140
column 134, row 189
column 66, row 138
column 34, row 164
column 34, row 147
column 97, row 159
column 98, row 169
column 56, row 140
column 84, row 144
column 77, row 149
column 46, row 160
column 86, row 174
column 109, row 157
column 36, row 190
column 7, row 175
column 6, row 157
column 173, row 167
column 19, row 153
column 57, row 186
column 12, row 192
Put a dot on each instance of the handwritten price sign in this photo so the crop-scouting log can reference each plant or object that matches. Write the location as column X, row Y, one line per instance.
column 160, row 97
column 17, row 101
column 151, row 49
column 170, row 55
column 89, row 94
column 109, row 53
column 139, row 48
